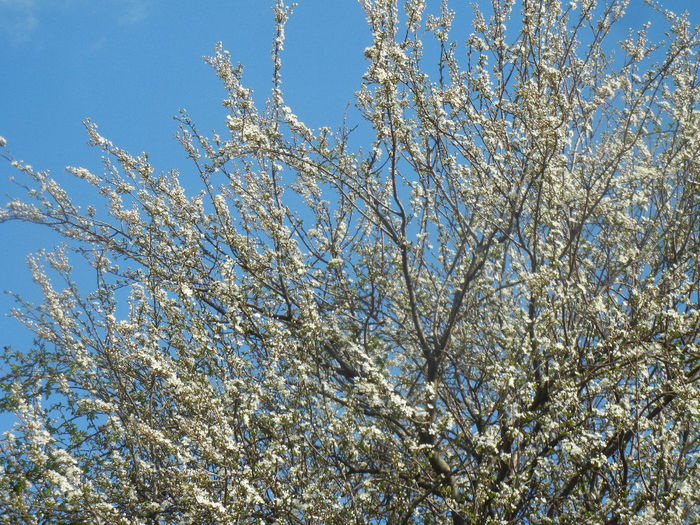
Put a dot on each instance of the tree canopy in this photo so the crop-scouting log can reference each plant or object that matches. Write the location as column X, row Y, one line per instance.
column 487, row 312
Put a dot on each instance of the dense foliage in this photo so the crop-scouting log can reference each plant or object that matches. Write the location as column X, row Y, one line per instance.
column 487, row 314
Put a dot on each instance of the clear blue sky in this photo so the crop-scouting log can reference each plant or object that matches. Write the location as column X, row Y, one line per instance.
column 130, row 65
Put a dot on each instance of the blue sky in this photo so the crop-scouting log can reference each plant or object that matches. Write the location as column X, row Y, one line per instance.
column 130, row 65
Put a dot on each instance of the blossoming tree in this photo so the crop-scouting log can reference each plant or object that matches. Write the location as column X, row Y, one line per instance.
column 487, row 314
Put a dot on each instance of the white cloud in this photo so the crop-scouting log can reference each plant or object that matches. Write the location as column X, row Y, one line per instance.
column 133, row 11
column 18, row 4
column 18, row 19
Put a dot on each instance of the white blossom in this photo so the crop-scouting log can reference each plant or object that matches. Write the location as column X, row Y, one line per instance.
column 486, row 313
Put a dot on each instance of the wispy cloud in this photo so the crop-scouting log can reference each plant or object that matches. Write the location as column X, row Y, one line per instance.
column 18, row 19
column 132, row 11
